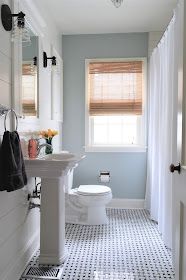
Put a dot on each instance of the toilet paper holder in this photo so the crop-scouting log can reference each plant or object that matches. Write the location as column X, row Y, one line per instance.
column 104, row 176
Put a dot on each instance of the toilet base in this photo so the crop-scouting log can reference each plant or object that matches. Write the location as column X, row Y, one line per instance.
column 76, row 213
column 84, row 221
column 97, row 215
column 87, row 217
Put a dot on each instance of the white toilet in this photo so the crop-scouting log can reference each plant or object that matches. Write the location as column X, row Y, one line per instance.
column 86, row 205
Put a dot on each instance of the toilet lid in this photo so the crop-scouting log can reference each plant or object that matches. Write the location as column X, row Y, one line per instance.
column 93, row 190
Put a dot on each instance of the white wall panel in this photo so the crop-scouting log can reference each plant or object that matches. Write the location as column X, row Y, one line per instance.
column 19, row 226
column 17, row 216
column 5, row 93
column 11, row 248
column 5, row 37
column 5, row 68
column 5, row 99
column 10, row 200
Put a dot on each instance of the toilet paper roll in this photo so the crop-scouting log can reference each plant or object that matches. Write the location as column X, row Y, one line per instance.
column 104, row 178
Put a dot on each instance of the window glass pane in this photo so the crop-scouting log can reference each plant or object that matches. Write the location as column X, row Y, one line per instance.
column 115, row 130
column 115, row 134
column 100, row 120
column 129, row 133
column 100, row 134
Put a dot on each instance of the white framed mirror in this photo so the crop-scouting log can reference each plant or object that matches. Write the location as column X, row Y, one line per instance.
column 25, row 70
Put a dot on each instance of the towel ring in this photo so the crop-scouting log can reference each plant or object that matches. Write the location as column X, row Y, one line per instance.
column 15, row 115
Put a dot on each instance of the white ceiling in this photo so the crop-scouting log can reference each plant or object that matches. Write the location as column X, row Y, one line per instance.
column 100, row 16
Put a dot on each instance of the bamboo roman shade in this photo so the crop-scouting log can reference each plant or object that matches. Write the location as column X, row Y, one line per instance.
column 28, row 90
column 27, row 69
column 115, row 88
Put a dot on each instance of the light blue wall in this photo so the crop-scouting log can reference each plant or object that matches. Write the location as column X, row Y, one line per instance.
column 128, row 170
column 29, row 52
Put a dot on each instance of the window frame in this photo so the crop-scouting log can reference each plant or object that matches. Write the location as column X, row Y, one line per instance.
column 124, row 148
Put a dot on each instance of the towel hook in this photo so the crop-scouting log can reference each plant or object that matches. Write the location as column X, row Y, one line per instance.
column 15, row 115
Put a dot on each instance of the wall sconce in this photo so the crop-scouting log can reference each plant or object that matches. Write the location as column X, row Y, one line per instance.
column 35, row 60
column 45, row 60
column 6, row 18
column 18, row 27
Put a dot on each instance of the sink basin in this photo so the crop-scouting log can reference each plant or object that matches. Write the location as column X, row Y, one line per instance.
column 51, row 165
column 59, row 156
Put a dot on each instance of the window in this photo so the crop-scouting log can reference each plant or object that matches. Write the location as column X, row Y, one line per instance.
column 115, row 116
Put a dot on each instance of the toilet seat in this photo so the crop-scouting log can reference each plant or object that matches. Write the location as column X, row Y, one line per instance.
column 93, row 190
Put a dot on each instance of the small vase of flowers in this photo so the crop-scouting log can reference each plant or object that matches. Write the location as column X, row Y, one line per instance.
column 48, row 135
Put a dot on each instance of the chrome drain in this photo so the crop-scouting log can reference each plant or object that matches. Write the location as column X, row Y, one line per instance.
column 43, row 272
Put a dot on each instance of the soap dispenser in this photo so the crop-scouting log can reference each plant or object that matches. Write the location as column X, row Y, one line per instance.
column 32, row 148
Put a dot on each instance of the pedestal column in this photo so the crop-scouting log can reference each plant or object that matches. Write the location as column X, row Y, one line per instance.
column 52, row 224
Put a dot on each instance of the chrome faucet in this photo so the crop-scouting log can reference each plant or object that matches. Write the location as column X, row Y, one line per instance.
column 40, row 146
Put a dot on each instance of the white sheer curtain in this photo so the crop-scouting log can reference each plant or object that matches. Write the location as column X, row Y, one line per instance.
column 162, row 96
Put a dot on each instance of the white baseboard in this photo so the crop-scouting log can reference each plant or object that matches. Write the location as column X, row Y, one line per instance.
column 126, row 203
column 17, row 267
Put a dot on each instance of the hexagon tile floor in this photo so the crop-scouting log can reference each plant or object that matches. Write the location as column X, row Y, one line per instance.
column 128, row 247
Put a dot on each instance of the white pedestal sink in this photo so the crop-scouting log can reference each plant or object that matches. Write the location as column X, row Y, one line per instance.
column 52, row 170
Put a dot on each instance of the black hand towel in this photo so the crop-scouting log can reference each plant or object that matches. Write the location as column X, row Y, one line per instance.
column 12, row 167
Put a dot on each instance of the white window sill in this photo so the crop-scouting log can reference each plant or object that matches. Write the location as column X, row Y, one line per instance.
column 123, row 149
